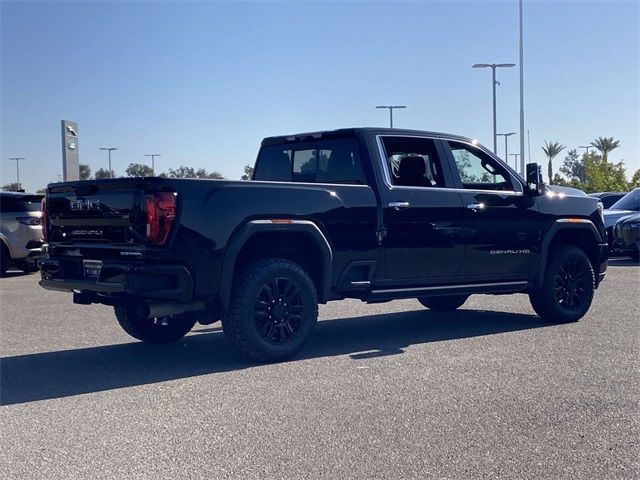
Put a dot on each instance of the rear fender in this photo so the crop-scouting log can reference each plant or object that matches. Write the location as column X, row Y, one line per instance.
column 255, row 227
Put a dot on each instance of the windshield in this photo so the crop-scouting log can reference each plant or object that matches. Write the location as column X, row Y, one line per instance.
column 631, row 201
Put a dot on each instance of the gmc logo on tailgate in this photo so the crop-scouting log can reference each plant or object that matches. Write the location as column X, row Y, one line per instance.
column 81, row 205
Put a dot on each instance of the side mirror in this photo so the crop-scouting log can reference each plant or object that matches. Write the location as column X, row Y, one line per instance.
column 534, row 178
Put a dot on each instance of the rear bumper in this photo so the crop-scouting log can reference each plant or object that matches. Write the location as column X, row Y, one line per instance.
column 136, row 281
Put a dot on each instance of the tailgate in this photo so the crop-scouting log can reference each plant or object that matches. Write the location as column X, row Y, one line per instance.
column 97, row 211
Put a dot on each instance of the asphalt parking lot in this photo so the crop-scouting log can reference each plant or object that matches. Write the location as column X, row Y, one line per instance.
column 382, row 391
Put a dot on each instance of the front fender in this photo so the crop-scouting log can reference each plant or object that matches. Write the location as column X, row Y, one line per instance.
column 598, row 251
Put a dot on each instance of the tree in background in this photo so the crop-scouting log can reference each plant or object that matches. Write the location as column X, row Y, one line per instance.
column 248, row 173
column 190, row 172
column 85, row 171
column 635, row 180
column 605, row 145
column 551, row 150
column 103, row 173
column 603, row 176
column 11, row 187
column 572, row 168
column 139, row 170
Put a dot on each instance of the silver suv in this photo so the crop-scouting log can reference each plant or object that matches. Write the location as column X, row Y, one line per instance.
column 20, row 231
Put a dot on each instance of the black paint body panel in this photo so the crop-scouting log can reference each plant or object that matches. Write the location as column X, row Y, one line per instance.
column 437, row 241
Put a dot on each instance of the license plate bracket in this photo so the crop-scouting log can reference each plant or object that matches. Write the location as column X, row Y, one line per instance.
column 92, row 268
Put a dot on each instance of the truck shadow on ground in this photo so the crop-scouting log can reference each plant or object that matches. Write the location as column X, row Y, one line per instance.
column 41, row 376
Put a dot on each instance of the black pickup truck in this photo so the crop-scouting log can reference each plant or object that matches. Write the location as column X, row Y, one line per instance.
column 368, row 213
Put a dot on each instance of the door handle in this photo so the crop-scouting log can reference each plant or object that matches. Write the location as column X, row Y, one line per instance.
column 476, row 206
column 399, row 205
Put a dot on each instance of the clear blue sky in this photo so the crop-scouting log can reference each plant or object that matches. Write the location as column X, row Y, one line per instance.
column 202, row 83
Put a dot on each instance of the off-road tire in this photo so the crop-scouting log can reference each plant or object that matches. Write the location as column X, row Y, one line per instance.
column 154, row 330
column 443, row 303
column 273, row 310
column 567, row 288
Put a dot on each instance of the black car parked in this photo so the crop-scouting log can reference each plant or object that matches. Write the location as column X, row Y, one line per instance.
column 626, row 234
column 368, row 213
column 608, row 198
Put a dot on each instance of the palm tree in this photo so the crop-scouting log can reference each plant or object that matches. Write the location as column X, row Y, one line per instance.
column 605, row 145
column 551, row 150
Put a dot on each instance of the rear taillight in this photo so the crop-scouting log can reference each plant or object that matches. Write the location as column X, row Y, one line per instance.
column 161, row 212
column 43, row 209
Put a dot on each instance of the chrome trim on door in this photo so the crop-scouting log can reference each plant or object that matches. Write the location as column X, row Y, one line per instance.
column 399, row 205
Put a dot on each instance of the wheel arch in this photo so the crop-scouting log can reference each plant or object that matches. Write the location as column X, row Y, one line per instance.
column 581, row 233
column 301, row 241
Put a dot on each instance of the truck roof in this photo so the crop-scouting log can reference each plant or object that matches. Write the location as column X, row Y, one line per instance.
column 353, row 132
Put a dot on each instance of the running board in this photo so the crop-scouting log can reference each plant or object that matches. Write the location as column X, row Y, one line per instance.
column 467, row 289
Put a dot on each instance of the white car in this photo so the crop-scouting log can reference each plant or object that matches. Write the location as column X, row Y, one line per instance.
column 20, row 231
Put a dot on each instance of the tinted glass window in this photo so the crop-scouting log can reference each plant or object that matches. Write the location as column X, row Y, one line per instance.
column 413, row 162
column 631, row 201
column 609, row 200
column 305, row 163
column 22, row 203
column 274, row 163
column 331, row 161
column 478, row 170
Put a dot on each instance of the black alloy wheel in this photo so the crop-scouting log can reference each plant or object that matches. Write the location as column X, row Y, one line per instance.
column 273, row 310
column 571, row 283
column 567, row 287
column 279, row 310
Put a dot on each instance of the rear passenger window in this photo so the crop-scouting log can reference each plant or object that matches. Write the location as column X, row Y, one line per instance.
column 331, row 161
column 413, row 162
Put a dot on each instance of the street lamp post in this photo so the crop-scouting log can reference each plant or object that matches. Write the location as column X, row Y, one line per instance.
column 515, row 155
column 153, row 163
column 109, row 150
column 493, row 67
column 521, row 62
column 17, row 160
column 391, row 107
column 506, row 148
column 586, row 147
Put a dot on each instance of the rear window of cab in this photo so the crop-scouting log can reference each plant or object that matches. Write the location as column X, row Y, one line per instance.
column 332, row 161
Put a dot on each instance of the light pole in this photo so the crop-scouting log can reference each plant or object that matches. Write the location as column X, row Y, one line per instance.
column 493, row 67
column 153, row 161
column 17, row 160
column 391, row 107
column 515, row 155
column 586, row 147
column 506, row 148
column 109, row 149
column 521, row 62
